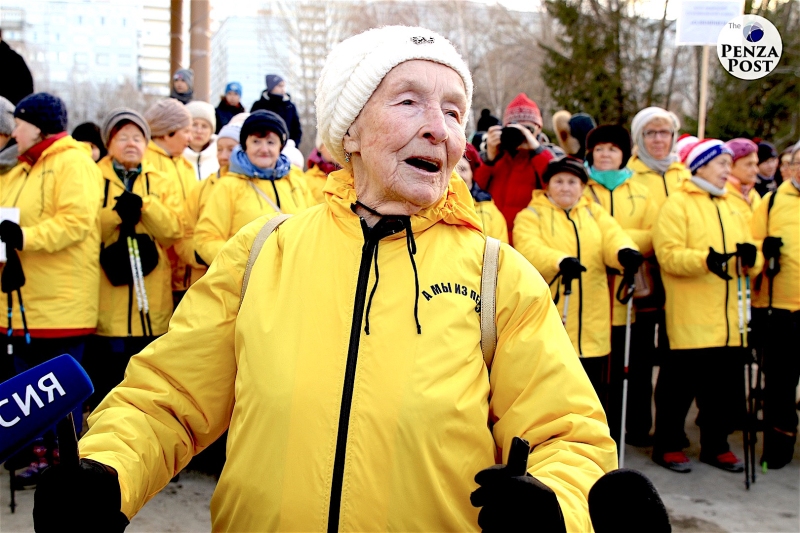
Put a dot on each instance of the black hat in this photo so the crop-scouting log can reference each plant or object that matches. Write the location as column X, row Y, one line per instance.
column 43, row 110
column 261, row 122
column 609, row 133
column 766, row 151
column 569, row 164
column 89, row 132
column 487, row 120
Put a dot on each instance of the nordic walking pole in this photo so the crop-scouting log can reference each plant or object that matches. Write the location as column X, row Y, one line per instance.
column 518, row 456
column 140, row 272
column 135, row 281
column 629, row 296
column 751, row 397
column 567, row 292
column 742, row 336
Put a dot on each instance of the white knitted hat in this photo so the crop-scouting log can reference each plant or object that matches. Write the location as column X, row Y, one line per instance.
column 356, row 66
column 204, row 110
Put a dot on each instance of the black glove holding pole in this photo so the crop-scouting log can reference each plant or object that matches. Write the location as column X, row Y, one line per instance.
column 747, row 253
column 571, row 269
column 717, row 263
column 630, row 259
column 129, row 208
column 11, row 234
column 84, row 497
column 513, row 500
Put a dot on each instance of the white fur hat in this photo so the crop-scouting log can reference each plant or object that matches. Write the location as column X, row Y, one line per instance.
column 356, row 66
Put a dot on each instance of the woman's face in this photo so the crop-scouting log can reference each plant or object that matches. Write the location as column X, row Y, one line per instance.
column 658, row 138
column 224, row 148
column 181, row 86
column 201, row 134
column 127, row 146
column 26, row 135
column 565, row 189
column 465, row 171
column 746, row 169
column 786, row 160
column 716, row 171
column 263, row 151
column 408, row 138
column 95, row 151
column 607, row 156
column 232, row 97
column 768, row 167
column 176, row 142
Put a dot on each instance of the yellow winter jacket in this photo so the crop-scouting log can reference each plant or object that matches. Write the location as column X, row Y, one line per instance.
column 162, row 206
column 235, row 203
column 59, row 202
column 783, row 221
column 659, row 186
column 315, row 179
column 545, row 234
column 631, row 206
column 397, row 422
column 185, row 267
column 702, row 310
column 492, row 220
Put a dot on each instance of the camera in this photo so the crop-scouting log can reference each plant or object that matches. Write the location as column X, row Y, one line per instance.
column 511, row 138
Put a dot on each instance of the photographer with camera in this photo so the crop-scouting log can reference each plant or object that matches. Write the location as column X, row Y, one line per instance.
column 515, row 159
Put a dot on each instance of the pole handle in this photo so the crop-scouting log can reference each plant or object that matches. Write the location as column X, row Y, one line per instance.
column 68, row 442
column 518, row 457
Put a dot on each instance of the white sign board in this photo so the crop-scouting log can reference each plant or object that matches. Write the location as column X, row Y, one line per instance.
column 700, row 21
column 12, row 214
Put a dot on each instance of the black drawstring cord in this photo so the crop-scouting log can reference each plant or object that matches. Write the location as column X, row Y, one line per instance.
column 374, row 288
column 277, row 196
column 412, row 250
column 368, row 208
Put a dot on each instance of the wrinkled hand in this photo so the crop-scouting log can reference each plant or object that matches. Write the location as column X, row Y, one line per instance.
column 630, row 259
column 747, row 253
column 129, row 208
column 717, row 263
column 515, row 503
column 78, row 498
column 11, row 234
column 531, row 143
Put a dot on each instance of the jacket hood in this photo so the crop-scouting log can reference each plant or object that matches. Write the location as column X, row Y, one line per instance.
column 8, row 157
column 688, row 187
column 107, row 167
column 540, row 199
column 637, row 165
column 64, row 144
column 266, row 95
column 208, row 153
column 454, row 208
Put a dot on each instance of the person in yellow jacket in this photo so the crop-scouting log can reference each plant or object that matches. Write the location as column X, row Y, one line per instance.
column 366, row 384
column 136, row 198
column 571, row 240
column 744, row 173
column 260, row 180
column 52, row 273
column 699, row 238
column 171, row 128
column 608, row 149
column 776, row 303
column 492, row 220
column 320, row 164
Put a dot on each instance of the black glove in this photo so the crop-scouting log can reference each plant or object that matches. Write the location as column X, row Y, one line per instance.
column 717, row 263
column 515, row 503
column 11, row 234
column 129, row 208
column 747, row 253
column 571, row 268
column 630, row 259
column 13, row 278
column 772, row 247
column 63, row 491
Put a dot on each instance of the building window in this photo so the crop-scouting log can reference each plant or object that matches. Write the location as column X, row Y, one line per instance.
column 81, row 58
column 102, row 59
column 124, row 60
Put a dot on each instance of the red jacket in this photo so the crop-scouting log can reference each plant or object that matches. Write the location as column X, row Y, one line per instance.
column 512, row 180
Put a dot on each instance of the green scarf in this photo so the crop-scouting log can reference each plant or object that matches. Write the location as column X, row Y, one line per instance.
column 610, row 179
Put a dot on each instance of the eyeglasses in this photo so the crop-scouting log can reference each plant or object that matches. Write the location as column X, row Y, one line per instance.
column 651, row 134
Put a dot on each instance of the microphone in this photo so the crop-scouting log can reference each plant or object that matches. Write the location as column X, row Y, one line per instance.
column 34, row 401
column 625, row 500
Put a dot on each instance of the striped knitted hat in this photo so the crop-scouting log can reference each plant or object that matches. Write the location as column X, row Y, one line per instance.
column 704, row 151
column 684, row 145
column 356, row 66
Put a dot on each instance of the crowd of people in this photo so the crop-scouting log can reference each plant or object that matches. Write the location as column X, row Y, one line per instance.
column 106, row 230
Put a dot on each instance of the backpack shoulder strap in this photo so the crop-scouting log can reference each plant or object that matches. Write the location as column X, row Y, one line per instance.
column 491, row 263
column 105, row 194
column 770, row 204
column 258, row 243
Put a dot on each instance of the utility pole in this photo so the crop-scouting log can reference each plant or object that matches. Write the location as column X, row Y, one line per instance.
column 175, row 37
column 200, row 49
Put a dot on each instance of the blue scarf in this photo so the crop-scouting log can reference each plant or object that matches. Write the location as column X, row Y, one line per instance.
column 240, row 164
column 610, row 179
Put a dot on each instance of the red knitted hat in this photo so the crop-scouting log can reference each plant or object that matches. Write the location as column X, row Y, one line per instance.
column 522, row 109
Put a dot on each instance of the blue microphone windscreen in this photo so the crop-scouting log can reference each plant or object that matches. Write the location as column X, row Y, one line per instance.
column 35, row 400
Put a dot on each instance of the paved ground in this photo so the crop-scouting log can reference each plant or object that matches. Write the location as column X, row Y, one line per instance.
column 706, row 500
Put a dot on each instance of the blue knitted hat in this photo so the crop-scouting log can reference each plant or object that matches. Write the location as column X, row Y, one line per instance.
column 43, row 110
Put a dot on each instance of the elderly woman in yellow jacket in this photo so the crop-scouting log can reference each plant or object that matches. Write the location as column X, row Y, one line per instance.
column 776, row 304
column 565, row 235
column 699, row 238
column 137, row 200
column 608, row 149
column 51, row 276
column 354, row 356
column 260, row 180
column 492, row 220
